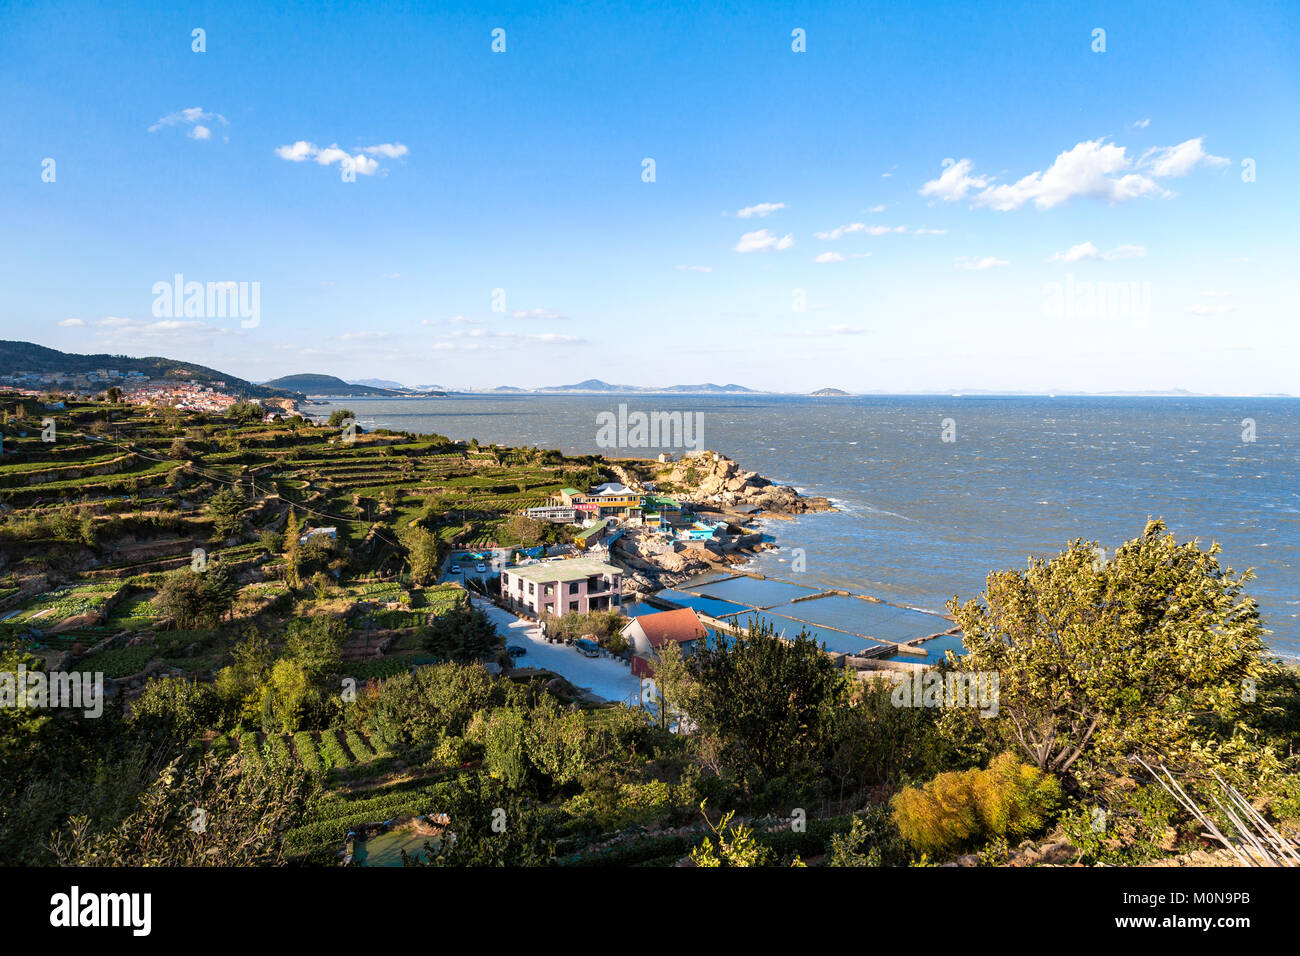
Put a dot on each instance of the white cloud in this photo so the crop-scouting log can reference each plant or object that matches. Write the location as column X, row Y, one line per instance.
column 537, row 314
column 860, row 227
column 366, row 336
column 72, row 323
column 763, row 241
column 193, row 117
column 391, row 150
column 358, row 162
column 1179, row 160
column 977, row 264
column 1093, row 169
column 829, row 257
column 474, row 340
column 1140, row 124
column 879, row 208
column 1087, row 251
column 835, row 330
column 761, row 210
column 955, row 181
column 695, row 268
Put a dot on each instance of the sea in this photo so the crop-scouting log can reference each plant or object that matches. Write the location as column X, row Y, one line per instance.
column 933, row 492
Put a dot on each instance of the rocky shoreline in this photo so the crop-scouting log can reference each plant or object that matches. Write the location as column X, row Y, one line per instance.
column 719, row 490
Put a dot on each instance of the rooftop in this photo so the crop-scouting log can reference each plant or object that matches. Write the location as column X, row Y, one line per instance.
column 573, row 569
column 680, row 626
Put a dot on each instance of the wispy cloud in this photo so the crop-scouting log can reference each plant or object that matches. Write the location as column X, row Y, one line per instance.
column 834, row 330
column 1086, row 250
column 979, row 264
column 854, row 228
column 761, row 210
column 537, row 314
column 196, row 118
column 764, row 241
column 475, row 340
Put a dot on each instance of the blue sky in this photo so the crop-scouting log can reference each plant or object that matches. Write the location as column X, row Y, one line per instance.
column 1091, row 231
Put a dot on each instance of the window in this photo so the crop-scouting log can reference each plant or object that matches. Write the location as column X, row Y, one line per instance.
column 573, row 605
column 550, row 607
column 532, row 588
column 548, row 589
column 573, row 588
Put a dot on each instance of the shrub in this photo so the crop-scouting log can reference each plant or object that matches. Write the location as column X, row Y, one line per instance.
column 962, row 808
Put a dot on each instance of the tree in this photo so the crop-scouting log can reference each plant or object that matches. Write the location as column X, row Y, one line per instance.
column 292, row 532
column 114, row 395
column 421, row 553
column 216, row 812
column 220, row 589
column 192, row 599
column 765, row 698
column 316, row 643
column 1098, row 660
column 463, row 634
column 339, row 416
column 181, row 597
column 225, row 508
column 246, row 413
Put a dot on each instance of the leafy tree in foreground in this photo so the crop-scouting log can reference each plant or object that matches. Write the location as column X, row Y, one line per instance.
column 216, row 812
column 766, row 699
column 1099, row 659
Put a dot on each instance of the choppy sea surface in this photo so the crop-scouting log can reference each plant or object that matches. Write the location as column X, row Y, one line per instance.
column 921, row 519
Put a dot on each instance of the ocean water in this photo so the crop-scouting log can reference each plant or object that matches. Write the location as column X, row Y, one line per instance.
column 922, row 520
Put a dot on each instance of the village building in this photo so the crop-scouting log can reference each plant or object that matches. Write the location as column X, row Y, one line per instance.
column 563, row 587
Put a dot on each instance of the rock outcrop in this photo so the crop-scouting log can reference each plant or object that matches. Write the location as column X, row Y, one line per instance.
column 714, row 479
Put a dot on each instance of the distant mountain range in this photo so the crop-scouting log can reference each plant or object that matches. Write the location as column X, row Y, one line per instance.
column 596, row 385
column 29, row 357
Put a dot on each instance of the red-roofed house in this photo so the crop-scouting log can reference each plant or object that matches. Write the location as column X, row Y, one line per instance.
column 649, row 632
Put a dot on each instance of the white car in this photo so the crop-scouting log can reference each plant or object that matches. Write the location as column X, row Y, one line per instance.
column 455, row 569
column 480, row 568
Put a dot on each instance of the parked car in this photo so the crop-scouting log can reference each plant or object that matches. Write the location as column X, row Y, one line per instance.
column 455, row 569
column 480, row 568
column 514, row 650
column 587, row 648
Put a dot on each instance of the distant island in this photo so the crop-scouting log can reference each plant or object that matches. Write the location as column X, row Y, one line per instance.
column 596, row 385
column 330, row 386
column 823, row 392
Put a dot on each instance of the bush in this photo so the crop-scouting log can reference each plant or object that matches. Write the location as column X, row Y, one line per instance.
column 969, row 807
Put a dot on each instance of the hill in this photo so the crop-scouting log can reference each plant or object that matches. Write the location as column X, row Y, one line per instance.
column 313, row 384
column 30, row 357
column 823, row 392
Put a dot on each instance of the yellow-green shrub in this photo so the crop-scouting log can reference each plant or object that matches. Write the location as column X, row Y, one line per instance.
column 962, row 808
